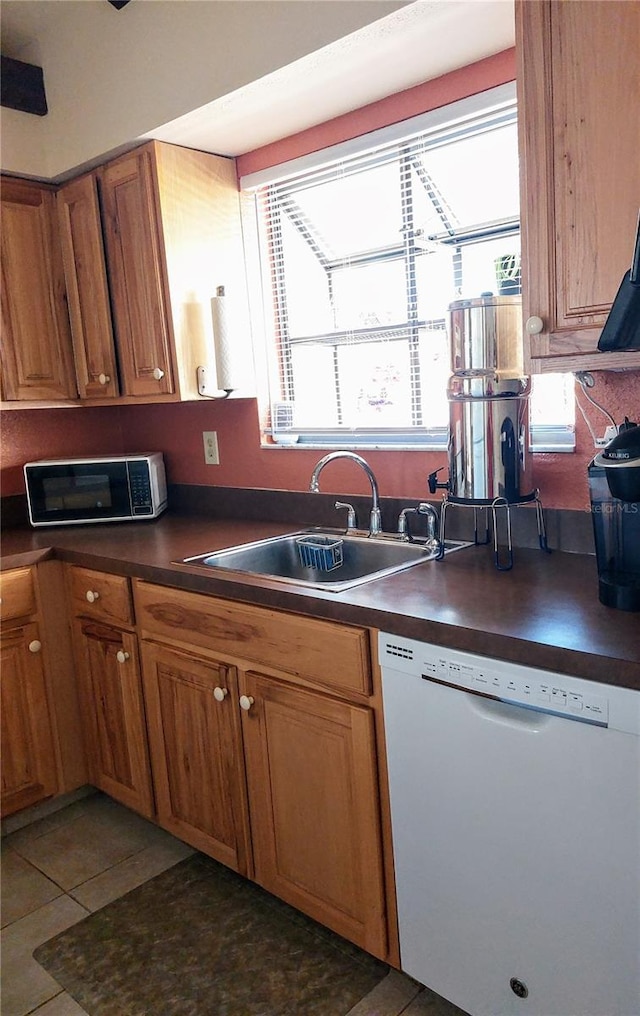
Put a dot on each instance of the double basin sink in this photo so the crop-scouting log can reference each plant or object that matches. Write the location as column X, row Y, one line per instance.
column 322, row 559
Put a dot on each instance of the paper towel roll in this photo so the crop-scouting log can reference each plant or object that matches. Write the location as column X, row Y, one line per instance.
column 228, row 353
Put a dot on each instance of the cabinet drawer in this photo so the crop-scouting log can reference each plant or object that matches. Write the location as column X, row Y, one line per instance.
column 331, row 654
column 101, row 596
column 17, row 596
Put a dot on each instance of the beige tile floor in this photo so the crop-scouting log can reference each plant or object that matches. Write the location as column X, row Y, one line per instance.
column 71, row 862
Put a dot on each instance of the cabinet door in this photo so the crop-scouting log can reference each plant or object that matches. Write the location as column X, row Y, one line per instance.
column 579, row 91
column 37, row 357
column 312, row 778
column 87, row 291
column 111, row 690
column 29, row 772
column 196, row 752
column 137, row 274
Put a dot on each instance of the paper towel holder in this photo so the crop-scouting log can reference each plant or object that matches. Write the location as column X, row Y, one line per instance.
column 203, row 374
column 203, row 378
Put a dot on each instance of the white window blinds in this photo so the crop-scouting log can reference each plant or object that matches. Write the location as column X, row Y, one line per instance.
column 361, row 258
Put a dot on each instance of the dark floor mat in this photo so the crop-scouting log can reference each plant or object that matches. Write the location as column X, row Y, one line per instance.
column 199, row 940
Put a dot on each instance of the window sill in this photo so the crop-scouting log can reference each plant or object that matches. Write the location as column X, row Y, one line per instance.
column 322, row 444
column 435, row 440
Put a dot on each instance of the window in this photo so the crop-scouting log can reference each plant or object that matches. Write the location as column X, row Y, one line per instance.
column 362, row 256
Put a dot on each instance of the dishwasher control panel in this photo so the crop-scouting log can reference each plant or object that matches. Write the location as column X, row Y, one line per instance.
column 507, row 682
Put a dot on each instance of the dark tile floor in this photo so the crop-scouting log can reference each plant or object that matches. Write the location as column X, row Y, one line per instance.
column 71, row 862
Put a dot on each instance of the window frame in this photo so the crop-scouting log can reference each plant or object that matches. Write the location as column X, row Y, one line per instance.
column 497, row 106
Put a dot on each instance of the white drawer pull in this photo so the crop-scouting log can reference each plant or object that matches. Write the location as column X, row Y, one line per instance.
column 158, row 374
column 35, row 646
column 92, row 596
column 121, row 656
column 220, row 694
column 103, row 379
column 246, row 701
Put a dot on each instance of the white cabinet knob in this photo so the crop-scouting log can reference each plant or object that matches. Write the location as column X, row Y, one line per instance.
column 121, row 656
column 92, row 596
column 158, row 374
column 534, row 325
column 35, row 646
column 103, row 379
column 246, row 701
column 220, row 694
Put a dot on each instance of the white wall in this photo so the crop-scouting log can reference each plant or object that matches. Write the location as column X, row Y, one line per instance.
column 111, row 76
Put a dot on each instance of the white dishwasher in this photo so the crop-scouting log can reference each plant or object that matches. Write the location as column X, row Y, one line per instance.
column 515, row 809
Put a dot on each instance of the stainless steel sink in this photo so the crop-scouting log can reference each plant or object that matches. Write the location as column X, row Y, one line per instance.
column 363, row 559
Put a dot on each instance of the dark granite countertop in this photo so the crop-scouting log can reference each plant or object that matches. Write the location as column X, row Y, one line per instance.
column 544, row 613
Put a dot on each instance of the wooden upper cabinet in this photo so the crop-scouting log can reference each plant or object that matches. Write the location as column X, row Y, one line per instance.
column 140, row 305
column 87, row 290
column 37, row 357
column 578, row 96
column 143, row 244
column 171, row 219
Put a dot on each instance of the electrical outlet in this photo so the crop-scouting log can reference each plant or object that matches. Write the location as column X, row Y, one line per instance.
column 609, row 434
column 211, row 454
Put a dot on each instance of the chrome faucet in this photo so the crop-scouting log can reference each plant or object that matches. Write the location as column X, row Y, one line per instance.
column 375, row 519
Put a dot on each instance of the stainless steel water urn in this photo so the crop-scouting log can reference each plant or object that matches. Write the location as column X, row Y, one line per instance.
column 485, row 336
column 488, row 397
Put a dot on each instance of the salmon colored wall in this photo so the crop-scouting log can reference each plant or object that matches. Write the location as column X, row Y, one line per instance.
column 477, row 77
column 562, row 478
column 26, row 435
column 177, row 429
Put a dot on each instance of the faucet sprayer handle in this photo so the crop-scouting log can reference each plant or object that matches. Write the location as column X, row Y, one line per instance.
column 352, row 522
column 403, row 527
column 426, row 509
column 433, row 541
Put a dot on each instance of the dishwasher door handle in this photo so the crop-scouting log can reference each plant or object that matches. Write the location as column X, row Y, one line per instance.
column 508, row 715
column 518, row 715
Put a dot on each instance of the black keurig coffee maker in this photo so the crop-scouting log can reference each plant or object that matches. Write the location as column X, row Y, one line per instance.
column 614, row 485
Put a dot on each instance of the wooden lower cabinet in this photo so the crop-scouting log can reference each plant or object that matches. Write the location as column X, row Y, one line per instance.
column 29, row 773
column 113, row 713
column 261, row 757
column 196, row 752
column 277, row 778
column 312, row 778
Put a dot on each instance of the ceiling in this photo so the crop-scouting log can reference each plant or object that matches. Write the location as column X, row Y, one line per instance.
column 418, row 42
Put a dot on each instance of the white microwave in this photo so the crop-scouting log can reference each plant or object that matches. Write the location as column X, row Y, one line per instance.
column 120, row 488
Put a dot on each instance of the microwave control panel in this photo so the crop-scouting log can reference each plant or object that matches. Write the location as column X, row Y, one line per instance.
column 140, row 487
